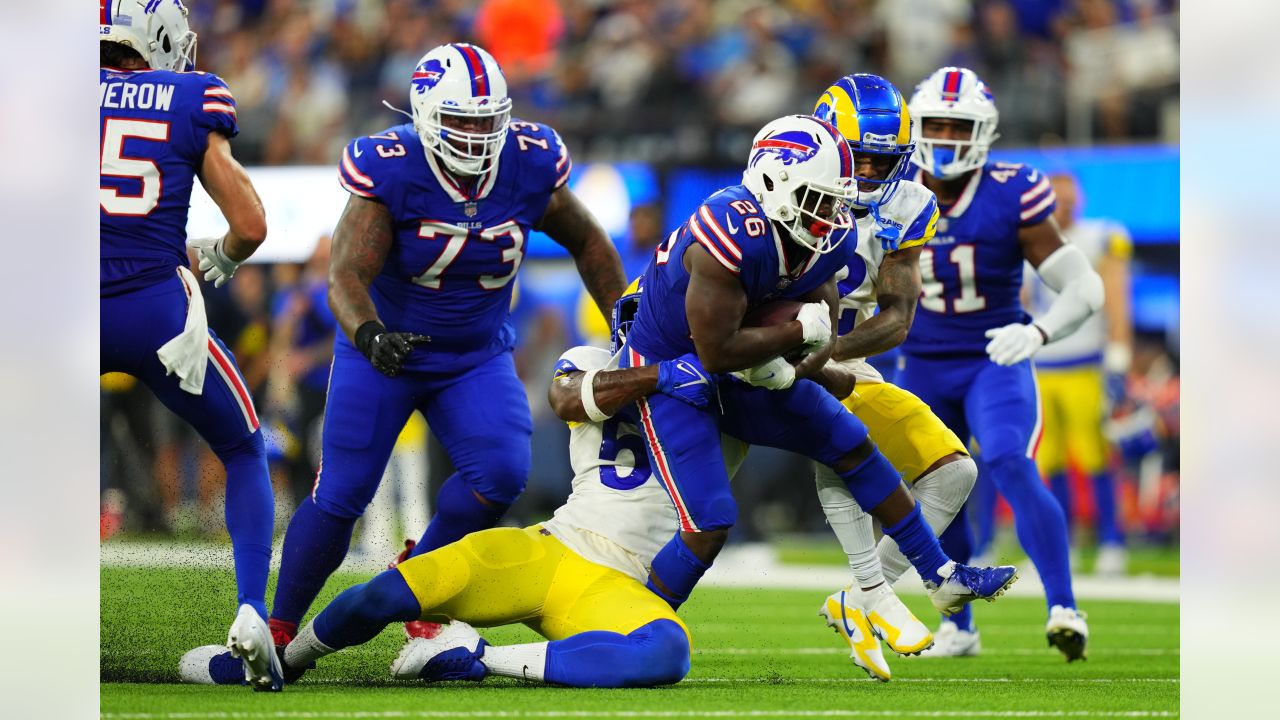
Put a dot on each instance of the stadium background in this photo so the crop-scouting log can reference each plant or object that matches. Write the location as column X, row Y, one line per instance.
column 657, row 101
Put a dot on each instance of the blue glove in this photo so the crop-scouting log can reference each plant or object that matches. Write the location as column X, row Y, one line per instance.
column 685, row 379
column 1116, row 386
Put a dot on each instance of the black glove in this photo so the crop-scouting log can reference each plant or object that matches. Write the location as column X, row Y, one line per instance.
column 386, row 350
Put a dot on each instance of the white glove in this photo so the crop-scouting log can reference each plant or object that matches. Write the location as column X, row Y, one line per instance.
column 777, row 374
column 1013, row 343
column 214, row 263
column 816, row 320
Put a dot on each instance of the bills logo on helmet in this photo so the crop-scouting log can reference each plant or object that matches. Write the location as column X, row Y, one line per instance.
column 427, row 75
column 792, row 146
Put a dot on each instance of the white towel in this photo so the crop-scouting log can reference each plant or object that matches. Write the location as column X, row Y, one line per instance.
column 187, row 355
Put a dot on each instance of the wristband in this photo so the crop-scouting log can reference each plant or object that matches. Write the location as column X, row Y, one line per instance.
column 589, row 398
column 366, row 333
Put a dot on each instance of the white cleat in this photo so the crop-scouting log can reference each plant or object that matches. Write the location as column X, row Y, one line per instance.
column 951, row 641
column 848, row 620
column 453, row 654
column 1068, row 631
column 250, row 641
column 201, row 666
column 892, row 622
column 1112, row 561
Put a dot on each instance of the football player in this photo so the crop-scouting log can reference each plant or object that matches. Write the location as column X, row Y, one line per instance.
column 779, row 235
column 420, row 282
column 577, row 579
column 968, row 353
column 894, row 218
column 1083, row 375
column 162, row 126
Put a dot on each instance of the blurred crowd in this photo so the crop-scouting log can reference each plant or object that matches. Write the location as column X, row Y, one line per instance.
column 669, row 82
column 678, row 81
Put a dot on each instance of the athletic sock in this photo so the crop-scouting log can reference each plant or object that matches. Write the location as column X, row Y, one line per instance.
column 678, row 569
column 458, row 513
column 360, row 612
column 916, row 540
column 1104, row 493
column 1041, row 526
column 527, row 661
column 852, row 527
column 314, row 546
column 250, row 517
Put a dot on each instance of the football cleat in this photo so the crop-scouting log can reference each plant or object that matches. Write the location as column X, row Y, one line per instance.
column 415, row 628
column 892, row 622
column 453, row 654
column 1112, row 561
column 1068, row 631
column 962, row 584
column 850, row 623
column 250, row 641
column 210, row 665
column 951, row 641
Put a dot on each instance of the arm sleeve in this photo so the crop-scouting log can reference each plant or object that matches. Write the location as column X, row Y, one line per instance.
column 1080, row 294
column 1036, row 199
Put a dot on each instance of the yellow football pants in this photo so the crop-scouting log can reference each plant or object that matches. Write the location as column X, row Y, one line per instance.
column 1072, row 399
column 508, row 575
column 903, row 427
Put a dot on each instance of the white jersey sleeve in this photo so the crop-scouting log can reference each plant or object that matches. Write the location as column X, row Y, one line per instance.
column 910, row 219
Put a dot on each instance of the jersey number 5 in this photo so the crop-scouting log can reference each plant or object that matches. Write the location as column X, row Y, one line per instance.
column 114, row 163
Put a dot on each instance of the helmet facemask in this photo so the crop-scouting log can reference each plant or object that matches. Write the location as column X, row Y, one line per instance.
column 889, row 166
column 819, row 215
column 624, row 314
column 467, row 139
column 950, row 158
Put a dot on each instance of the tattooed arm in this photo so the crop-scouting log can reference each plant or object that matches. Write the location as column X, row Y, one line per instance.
column 612, row 390
column 570, row 224
column 896, row 294
column 360, row 246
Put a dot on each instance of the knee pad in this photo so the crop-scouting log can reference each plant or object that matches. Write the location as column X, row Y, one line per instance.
column 347, row 503
column 502, row 482
column 662, row 654
column 872, row 481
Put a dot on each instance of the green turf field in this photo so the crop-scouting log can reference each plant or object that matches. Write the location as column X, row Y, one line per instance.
column 760, row 653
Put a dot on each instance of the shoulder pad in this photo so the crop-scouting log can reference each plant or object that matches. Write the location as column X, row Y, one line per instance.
column 915, row 209
column 541, row 147
column 1035, row 196
column 217, row 104
column 366, row 161
column 724, row 223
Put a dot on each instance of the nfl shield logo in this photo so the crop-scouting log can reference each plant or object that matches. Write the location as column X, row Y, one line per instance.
column 469, row 209
column 942, row 225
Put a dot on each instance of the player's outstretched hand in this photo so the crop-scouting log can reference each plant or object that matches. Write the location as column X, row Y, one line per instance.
column 1013, row 343
column 685, row 379
column 214, row 263
column 777, row 374
column 815, row 318
column 387, row 351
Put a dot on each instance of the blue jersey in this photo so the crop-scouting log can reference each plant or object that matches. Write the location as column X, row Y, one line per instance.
column 155, row 126
column 456, row 248
column 733, row 229
column 972, row 269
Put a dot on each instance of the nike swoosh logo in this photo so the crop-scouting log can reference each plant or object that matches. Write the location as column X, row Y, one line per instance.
column 356, row 149
column 729, row 222
column 525, row 672
column 689, row 369
column 1032, row 177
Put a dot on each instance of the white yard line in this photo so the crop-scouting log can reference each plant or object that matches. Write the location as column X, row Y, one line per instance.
column 288, row 715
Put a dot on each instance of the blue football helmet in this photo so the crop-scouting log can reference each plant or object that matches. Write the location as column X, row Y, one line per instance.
column 624, row 314
column 872, row 116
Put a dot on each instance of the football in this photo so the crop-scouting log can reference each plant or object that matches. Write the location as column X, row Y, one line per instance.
column 773, row 312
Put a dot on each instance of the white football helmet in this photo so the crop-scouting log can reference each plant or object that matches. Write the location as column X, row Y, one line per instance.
column 454, row 86
column 957, row 94
column 157, row 29
column 801, row 172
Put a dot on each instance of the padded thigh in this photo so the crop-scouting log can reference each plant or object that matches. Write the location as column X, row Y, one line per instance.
column 586, row 596
column 804, row 419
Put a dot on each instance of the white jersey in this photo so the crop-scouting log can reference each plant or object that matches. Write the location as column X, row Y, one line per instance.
column 911, row 213
column 617, row 514
column 1096, row 239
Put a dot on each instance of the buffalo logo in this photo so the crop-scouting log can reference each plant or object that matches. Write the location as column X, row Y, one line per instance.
column 792, row 146
column 427, row 75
